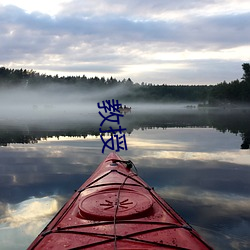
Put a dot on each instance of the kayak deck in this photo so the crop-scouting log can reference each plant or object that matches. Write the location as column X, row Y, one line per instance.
column 116, row 209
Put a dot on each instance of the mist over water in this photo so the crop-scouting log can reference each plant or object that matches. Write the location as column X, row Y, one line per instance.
column 44, row 103
column 60, row 102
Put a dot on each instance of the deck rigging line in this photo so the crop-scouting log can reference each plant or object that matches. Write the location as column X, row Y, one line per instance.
column 129, row 164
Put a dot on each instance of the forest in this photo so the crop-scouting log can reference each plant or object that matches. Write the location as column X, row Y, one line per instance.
column 224, row 93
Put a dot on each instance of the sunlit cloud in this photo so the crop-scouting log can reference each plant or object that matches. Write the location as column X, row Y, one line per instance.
column 46, row 6
column 225, row 54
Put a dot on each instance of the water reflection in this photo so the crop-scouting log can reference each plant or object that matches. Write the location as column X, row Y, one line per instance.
column 20, row 222
column 84, row 124
column 195, row 166
column 31, row 210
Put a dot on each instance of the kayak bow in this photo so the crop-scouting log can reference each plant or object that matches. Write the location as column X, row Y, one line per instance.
column 116, row 209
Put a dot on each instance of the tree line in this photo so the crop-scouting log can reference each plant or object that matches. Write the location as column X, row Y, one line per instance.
column 236, row 91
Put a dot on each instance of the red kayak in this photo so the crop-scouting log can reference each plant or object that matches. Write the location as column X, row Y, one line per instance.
column 116, row 209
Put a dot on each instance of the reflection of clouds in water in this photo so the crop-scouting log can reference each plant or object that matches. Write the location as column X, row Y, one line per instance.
column 236, row 157
column 228, row 239
column 228, row 203
column 185, row 139
column 226, row 216
column 148, row 144
column 28, row 212
column 209, row 180
column 60, row 157
column 36, row 170
column 22, row 222
column 203, row 144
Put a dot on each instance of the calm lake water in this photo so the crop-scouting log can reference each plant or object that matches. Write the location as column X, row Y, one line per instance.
column 197, row 160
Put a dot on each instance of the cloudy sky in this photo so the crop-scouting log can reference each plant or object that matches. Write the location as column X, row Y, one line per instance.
column 154, row 41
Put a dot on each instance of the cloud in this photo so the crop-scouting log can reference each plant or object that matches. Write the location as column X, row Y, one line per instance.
column 94, row 38
column 115, row 30
column 147, row 9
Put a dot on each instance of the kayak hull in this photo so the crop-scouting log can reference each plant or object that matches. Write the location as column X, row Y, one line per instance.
column 116, row 209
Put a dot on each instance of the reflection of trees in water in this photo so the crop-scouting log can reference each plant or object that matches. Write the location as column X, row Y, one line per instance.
column 222, row 120
column 33, row 134
column 233, row 121
column 16, row 137
column 246, row 141
column 236, row 123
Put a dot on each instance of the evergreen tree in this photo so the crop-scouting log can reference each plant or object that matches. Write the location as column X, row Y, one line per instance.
column 246, row 69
